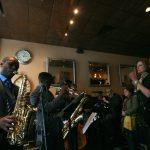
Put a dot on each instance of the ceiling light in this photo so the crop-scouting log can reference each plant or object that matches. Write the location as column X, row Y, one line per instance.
column 147, row 9
column 71, row 22
column 75, row 11
column 66, row 34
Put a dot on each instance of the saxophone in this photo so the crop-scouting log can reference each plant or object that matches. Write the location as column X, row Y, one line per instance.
column 75, row 117
column 21, row 111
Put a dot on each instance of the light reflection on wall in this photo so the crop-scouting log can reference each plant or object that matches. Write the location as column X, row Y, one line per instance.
column 99, row 74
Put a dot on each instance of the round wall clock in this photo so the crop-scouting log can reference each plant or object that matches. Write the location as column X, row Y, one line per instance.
column 23, row 56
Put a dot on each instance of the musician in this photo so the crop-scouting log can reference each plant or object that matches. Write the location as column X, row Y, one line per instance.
column 95, row 132
column 74, row 132
column 141, row 80
column 52, row 106
column 8, row 93
column 72, row 100
column 67, row 98
column 113, row 125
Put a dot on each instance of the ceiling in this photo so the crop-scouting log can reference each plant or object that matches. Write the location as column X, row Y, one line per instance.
column 113, row 26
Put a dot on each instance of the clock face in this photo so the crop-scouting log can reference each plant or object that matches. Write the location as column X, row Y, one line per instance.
column 23, row 56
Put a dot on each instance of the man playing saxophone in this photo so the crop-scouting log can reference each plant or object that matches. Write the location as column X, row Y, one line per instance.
column 8, row 93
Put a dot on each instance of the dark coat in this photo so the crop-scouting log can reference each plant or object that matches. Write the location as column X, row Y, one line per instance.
column 52, row 107
column 144, row 102
column 6, row 95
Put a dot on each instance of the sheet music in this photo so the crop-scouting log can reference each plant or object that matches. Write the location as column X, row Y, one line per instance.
column 90, row 120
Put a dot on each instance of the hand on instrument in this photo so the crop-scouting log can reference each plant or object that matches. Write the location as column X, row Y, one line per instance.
column 7, row 122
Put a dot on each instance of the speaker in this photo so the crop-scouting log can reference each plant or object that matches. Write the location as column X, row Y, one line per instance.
column 80, row 50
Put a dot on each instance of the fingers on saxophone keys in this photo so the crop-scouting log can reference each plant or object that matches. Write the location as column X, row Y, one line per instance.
column 9, row 127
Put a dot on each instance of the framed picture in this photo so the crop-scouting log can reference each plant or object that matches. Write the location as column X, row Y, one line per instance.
column 61, row 69
column 99, row 74
column 124, row 71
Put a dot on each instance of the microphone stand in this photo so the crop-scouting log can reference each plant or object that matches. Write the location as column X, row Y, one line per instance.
column 43, row 88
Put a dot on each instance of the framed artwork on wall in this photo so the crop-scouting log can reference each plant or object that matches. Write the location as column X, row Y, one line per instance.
column 61, row 69
column 124, row 71
column 99, row 74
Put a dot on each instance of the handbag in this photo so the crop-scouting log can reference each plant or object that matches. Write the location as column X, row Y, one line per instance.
column 129, row 123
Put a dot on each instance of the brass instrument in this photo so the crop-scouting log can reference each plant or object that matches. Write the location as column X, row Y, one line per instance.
column 21, row 111
column 75, row 117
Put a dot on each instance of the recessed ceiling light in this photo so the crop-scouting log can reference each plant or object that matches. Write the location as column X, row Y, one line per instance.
column 71, row 22
column 147, row 9
column 76, row 11
column 66, row 34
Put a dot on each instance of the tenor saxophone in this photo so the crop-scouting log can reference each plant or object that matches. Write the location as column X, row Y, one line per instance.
column 21, row 112
column 75, row 117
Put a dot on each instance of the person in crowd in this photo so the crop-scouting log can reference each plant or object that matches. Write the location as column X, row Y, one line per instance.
column 52, row 108
column 97, row 128
column 8, row 94
column 131, row 110
column 115, row 102
column 113, row 119
column 141, row 80
column 71, row 141
column 141, row 73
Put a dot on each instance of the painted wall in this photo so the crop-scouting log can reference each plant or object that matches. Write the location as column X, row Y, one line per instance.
column 41, row 51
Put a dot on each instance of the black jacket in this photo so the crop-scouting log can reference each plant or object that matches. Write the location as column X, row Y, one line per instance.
column 144, row 102
column 4, row 96
column 52, row 107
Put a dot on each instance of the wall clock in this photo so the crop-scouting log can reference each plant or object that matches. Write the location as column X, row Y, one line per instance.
column 23, row 56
